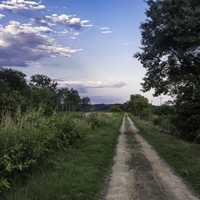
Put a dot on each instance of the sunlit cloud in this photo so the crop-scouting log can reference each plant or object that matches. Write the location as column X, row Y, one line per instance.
column 68, row 20
column 21, row 5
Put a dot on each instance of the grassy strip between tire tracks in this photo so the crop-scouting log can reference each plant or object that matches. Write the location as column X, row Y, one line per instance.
column 77, row 174
column 182, row 156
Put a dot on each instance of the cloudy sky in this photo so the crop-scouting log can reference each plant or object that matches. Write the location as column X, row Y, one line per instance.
column 84, row 44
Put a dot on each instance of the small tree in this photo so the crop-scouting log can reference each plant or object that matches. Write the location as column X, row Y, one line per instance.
column 44, row 93
column 85, row 103
column 138, row 105
column 14, row 91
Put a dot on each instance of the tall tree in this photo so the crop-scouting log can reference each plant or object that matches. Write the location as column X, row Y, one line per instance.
column 74, row 100
column 171, row 44
column 44, row 92
column 43, row 81
column 13, row 80
column 85, row 103
column 171, row 54
column 14, row 91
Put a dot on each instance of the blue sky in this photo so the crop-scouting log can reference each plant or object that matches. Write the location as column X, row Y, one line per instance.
column 85, row 44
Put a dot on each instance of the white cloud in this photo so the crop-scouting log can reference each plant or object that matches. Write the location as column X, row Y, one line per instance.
column 69, row 20
column 2, row 16
column 105, row 30
column 91, row 84
column 15, row 27
column 21, row 44
column 65, row 31
column 20, row 5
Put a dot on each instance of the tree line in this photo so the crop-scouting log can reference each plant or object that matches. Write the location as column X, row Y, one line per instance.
column 40, row 92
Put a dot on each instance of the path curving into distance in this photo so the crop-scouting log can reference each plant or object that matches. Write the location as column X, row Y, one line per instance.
column 139, row 173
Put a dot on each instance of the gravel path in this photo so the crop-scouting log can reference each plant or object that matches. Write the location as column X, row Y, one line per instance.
column 121, row 186
column 138, row 172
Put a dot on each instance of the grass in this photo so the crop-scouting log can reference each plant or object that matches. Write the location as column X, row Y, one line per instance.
column 182, row 156
column 26, row 140
column 77, row 174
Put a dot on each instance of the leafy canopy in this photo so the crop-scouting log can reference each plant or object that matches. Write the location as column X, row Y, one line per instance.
column 171, row 45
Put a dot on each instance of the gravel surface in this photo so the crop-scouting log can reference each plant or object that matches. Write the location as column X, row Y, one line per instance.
column 138, row 172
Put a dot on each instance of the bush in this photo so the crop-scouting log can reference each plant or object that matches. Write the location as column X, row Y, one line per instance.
column 28, row 139
column 166, row 123
column 96, row 120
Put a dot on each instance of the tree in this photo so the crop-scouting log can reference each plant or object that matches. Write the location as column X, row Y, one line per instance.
column 43, row 81
column 138, row 105
column 85, row 103
column 74, row 100
column 171, row 56
column 116, row 108
column 170, row 45
column 41, row 92
column 69, row 100
column 14, row 91
column 44, row 93
column 12, row 80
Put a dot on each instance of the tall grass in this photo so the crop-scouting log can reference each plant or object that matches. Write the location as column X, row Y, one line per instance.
column 78, row 173
column 27, row 139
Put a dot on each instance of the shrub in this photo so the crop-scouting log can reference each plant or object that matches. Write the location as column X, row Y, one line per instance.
column 96, row 120
column 28, row 139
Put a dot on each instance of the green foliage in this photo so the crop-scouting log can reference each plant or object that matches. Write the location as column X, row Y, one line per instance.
column 96, row 120
column 28, row 139
column 139, row 105
column 171, row 56
column 85, row 104
column 164, row 109
column 78, row 173
column 188, row 113
column 12, row 80
column 170, row 42
column 166, row 124
column 14, row 91
column 182, row 156
column 41, row 92
column 116, row 108
column 69, row 100
column 42, row 81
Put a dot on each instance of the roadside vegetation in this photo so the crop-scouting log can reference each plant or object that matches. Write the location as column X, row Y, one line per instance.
column 19, row 93
column 181, row 155
column 170, row 54
column 27, row 140
column 50, row 147
column 65, row 156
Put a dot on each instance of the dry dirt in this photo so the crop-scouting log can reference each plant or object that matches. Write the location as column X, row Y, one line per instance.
column 138, row 172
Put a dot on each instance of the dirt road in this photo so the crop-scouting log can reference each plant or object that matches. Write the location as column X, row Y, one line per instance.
column 138, row 172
